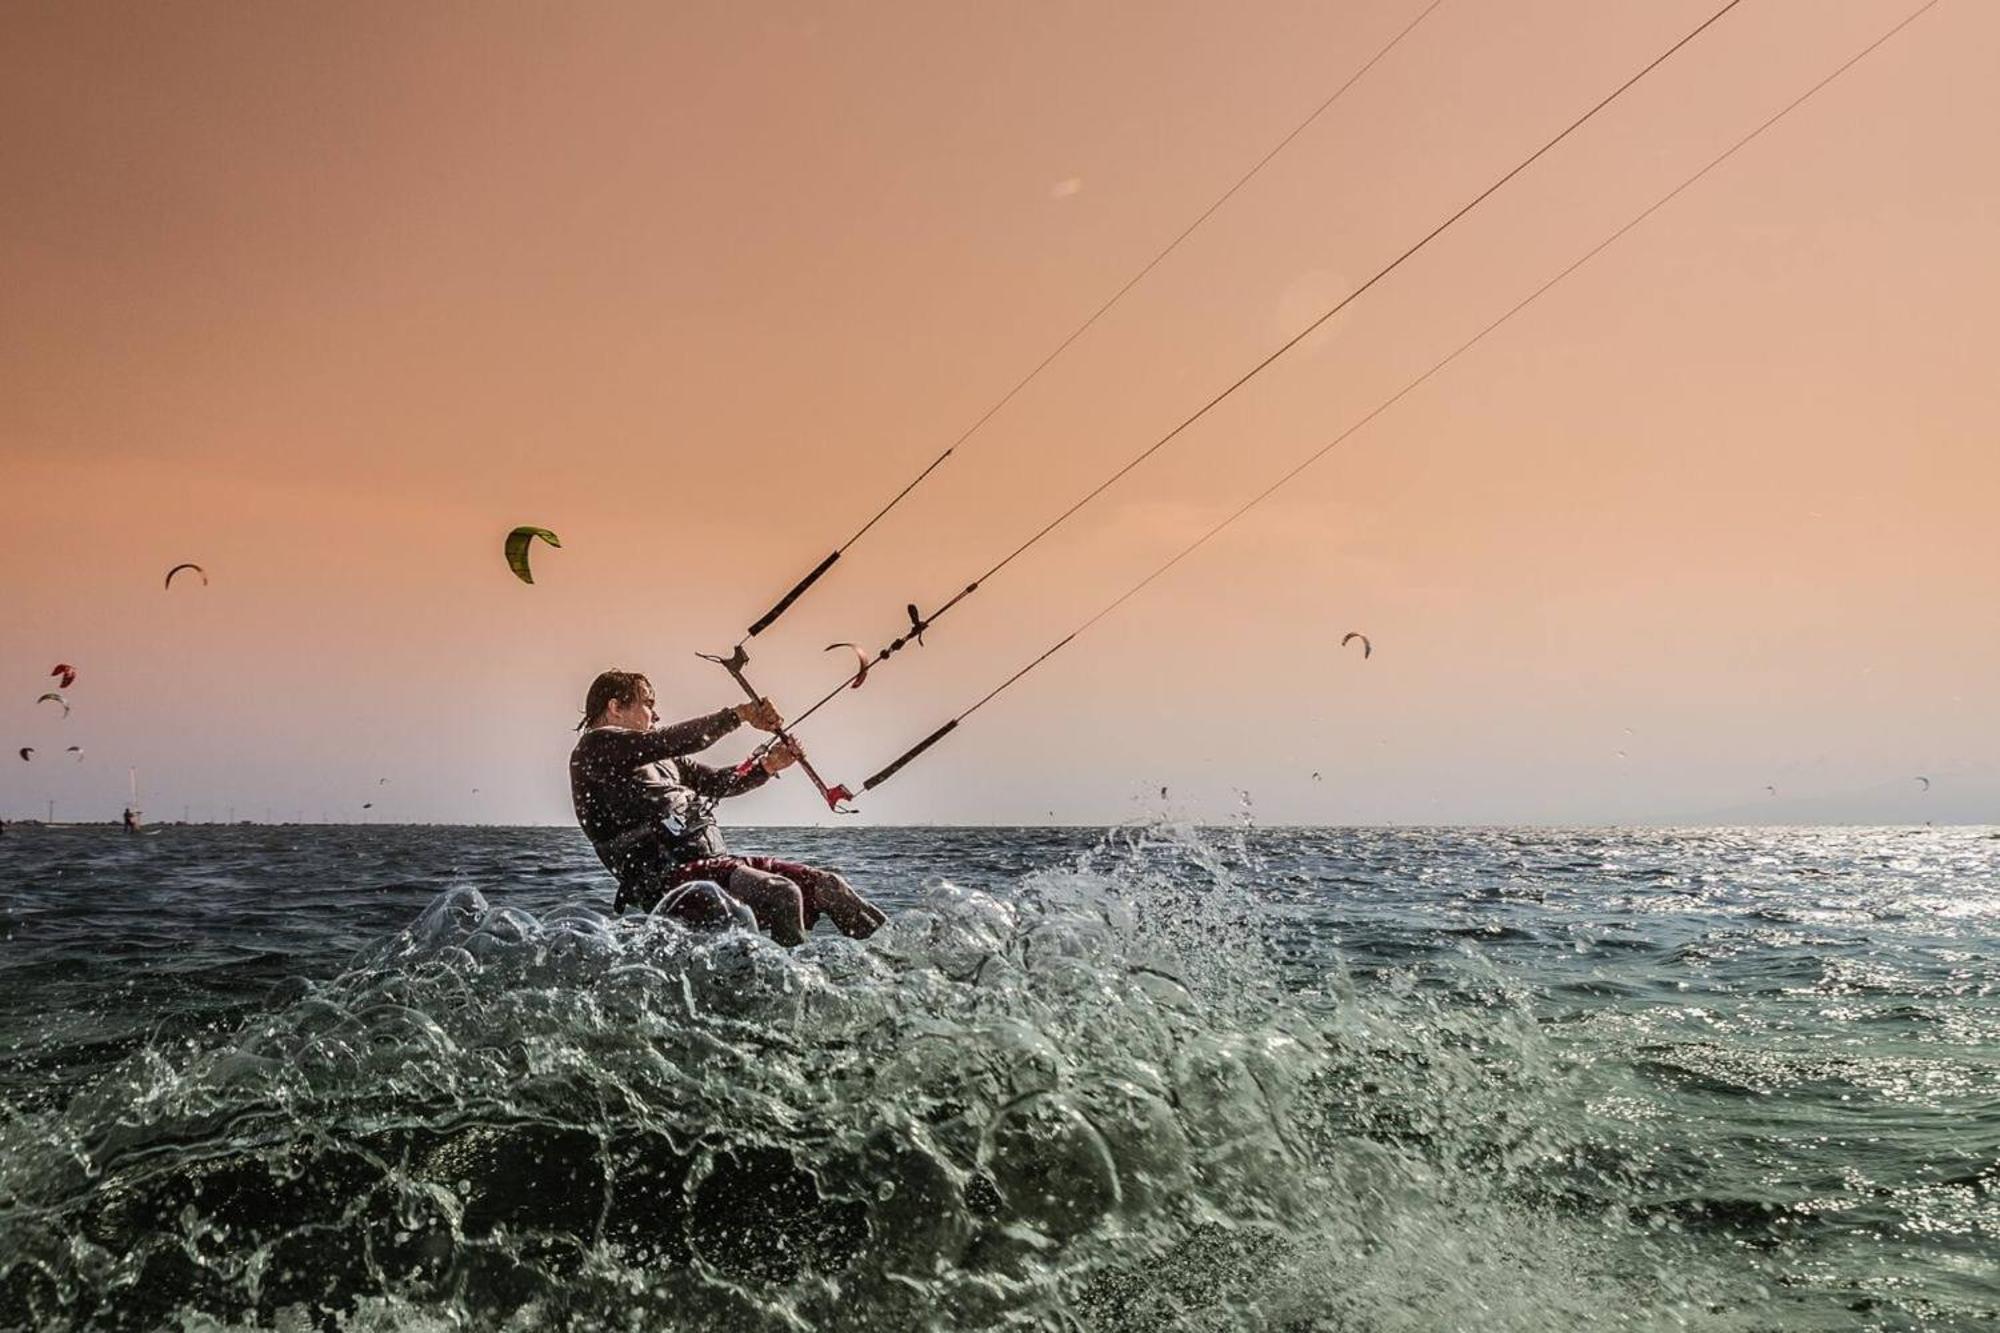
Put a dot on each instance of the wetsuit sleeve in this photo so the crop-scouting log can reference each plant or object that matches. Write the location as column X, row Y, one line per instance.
column 717, row 783
column 629, row 749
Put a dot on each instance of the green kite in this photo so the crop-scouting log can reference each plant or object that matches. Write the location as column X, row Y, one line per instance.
column 517, row 549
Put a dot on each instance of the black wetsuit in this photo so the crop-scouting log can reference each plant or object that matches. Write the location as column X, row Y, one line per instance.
column 647, row 808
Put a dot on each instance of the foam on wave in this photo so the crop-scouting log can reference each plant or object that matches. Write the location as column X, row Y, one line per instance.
column 1085, row 1096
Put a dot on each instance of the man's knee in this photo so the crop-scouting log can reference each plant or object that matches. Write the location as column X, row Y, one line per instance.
column 774, row 888
column 702, row 902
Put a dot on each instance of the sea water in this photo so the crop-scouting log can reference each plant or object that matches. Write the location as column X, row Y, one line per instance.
column 1152, row 1077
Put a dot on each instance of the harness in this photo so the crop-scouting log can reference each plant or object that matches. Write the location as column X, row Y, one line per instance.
column 624, row 855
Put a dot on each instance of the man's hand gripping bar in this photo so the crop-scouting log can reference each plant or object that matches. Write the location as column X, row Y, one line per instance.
column 734, row 664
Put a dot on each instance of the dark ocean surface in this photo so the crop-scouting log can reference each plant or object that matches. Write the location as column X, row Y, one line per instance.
column 1148, row 1078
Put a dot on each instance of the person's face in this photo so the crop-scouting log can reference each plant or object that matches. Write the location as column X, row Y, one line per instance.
column 635, row 713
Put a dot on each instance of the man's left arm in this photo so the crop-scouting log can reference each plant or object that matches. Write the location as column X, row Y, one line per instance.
column 720, row 783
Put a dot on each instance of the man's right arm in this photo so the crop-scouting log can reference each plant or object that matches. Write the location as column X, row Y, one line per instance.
column 621, row 748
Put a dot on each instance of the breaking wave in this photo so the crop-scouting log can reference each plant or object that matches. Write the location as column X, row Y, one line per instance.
column 1090, row 1098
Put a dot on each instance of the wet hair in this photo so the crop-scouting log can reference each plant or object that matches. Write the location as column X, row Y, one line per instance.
column 611, row 687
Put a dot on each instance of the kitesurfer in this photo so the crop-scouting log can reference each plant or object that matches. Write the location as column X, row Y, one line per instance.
column 648, row 810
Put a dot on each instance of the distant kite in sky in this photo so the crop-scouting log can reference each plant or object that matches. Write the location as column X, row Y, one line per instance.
column 1367, row 648
column 518, row 542
column 1315, row 777
column 1926, row 782
column 76, row 750
column 860, row 663
column 1772, row 790
column 368, row 805
column 178, row 568
column 65, row 675
column 27, row 753
column 53, row 697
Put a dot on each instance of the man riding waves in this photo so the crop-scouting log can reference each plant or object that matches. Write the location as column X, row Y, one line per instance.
column 649, row 811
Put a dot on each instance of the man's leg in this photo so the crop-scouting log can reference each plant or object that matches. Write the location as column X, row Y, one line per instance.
column 853, row 914
column 827, row 892
column 778, row 903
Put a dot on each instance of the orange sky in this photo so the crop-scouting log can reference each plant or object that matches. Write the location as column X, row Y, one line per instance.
column 329, row 297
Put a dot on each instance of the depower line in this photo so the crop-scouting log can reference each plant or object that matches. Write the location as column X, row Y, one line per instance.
column 890, row 770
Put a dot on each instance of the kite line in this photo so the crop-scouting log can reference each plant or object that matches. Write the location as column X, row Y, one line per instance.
column 919, row 622
column 889, row 771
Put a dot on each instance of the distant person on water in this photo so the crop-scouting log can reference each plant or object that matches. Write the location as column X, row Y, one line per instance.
column 649, row 811
column 131, row 820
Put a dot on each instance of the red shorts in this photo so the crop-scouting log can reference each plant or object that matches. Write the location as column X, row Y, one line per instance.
column 717, row 868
